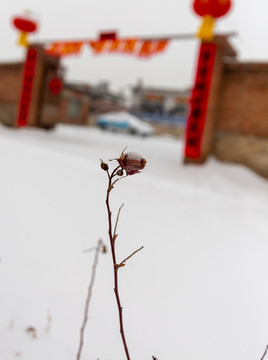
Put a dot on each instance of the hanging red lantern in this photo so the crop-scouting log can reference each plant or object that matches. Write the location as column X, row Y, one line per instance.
column 55, row 86
column 215, row 8
column 25, row 25
column 209, row 10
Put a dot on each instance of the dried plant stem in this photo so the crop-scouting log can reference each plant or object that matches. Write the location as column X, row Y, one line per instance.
column 89, row 294
column 265, row 352
column 134, row 252
column 115, row 267
column 49, row 322
column 117, row 218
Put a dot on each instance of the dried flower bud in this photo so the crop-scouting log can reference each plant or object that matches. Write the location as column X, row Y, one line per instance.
column 132, row 162
column 120, row 172
column 104, row 166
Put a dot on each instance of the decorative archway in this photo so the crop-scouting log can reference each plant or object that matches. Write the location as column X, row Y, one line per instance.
column 143, row 46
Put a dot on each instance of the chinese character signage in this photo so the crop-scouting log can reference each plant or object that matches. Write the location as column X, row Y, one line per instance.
column 137, row 47
column 65, row 48
column 199, row 101
column 27, row 87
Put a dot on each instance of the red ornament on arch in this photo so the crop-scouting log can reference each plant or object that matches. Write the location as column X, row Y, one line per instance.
column 215, row 8
column 55, row 86
column 210, row 10
column 25, row 25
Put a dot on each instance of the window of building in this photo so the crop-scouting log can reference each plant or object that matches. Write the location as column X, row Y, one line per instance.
column 74, row 108
column 179, row 109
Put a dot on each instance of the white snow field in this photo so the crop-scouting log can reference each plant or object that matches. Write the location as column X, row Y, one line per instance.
column 197, row 291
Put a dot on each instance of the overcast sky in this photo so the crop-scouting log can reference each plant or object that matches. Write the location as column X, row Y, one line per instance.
column 174, row 68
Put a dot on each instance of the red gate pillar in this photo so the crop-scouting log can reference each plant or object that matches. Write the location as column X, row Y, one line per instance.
column 38, row 67
column 202, row 110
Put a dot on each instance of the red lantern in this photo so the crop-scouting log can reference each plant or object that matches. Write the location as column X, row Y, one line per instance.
column 215, row 8
column 210, row 9
column 25, row 25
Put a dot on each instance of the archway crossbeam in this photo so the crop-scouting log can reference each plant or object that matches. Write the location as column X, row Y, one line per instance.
column 141, row 46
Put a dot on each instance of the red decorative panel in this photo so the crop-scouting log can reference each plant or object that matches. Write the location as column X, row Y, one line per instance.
column 27, row 86
column 199, row 100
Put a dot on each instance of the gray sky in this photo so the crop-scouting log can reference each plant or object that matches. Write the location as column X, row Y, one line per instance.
column 174, row 68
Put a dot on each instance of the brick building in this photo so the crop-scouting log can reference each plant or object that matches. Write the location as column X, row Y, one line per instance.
column 73, row 104
column 236, row 126
column 165, row 108
column 160, row 104
column 45, row 109
column 10, row 84
column 241, row 122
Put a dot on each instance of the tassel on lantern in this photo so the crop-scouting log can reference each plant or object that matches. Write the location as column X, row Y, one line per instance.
column 206, row 31
column 23, row 39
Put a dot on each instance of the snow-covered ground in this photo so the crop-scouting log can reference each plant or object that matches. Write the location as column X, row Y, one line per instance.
column 198, row 289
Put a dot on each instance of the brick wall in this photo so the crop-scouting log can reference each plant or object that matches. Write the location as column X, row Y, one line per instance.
column 10, row 84
column 242, row 105
column 66, row 115
column 241, row 119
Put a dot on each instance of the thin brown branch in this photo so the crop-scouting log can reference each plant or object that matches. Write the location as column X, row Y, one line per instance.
column 117, row 218
column 123, row 261
column 114, row 172
column 89, row 295
column 89, row 249
column 120, row 178
column 115, row 268
column 265, row 352
column 49, row 322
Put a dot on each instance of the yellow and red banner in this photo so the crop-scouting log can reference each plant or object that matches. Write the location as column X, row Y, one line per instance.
column 152, row 47
column 65, row 48
column 130, row 45
column 97, row 46
column 134, row 46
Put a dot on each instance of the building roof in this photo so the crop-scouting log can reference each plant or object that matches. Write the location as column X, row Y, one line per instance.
column 94, row 91
column 11, row 65
column 161, row 91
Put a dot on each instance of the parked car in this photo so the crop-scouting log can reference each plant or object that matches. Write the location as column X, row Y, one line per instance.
column 124, row 122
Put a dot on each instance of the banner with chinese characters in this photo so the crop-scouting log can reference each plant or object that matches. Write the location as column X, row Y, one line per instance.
column 65, row 48
column 199, row 101
column 133, row 46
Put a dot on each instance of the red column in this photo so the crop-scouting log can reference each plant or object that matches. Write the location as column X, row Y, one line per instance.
column 27, row 86
column 199, row 101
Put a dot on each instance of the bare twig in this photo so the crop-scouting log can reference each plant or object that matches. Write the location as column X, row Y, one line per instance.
column 265, row 352
column 89, row 250
column 131, row 165
column 89, row 294
column 49, row 322
column 117, row 218
column 123, row 261
column 115, row 267
column 120, row 178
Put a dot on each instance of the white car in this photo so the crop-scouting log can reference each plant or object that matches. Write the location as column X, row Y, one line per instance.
column 124, row 122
